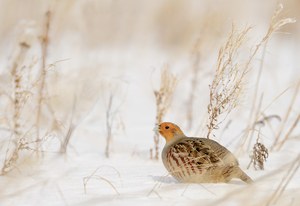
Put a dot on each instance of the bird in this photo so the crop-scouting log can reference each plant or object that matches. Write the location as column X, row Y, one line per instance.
column 197, row 160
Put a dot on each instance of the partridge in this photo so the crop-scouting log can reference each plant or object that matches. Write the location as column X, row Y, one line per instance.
column 197, row 160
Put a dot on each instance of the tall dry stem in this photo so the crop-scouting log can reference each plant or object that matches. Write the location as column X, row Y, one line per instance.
column 289, row 132
column 19, row 99
column 286, row 117
column 163, row 98
column 109, row 123
column 43, row 73
column 276, row 24
column 227, row 84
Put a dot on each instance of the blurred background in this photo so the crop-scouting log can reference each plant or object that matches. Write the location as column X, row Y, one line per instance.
column 97, row 48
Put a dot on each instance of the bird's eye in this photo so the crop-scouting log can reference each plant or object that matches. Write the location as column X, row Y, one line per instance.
column 167, row 127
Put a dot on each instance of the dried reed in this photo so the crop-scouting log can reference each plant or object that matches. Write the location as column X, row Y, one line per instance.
column 228, row 80
column 285, row 119
column 276, row 24
column 163, row 98
column 19, row 99
column 42, row 75
column 109, row 123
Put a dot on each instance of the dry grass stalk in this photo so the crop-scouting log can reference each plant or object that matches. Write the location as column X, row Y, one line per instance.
column 43, row 73
column 163, row 98
column 25, row 84
column 259, row 155
column 19, row 99
column 289, row 132
column 286, row 117
column 228, row 80
column 109, row 124
column 66, row 141
column 100, row 178
column 276, row 24
column 257, row 115
column 72, row 127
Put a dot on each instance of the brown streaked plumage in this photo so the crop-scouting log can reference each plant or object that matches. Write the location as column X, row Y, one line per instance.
column 197, row 160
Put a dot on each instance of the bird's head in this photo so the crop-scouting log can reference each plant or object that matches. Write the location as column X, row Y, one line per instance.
column 169, row 131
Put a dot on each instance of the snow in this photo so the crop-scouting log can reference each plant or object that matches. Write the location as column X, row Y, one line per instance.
column 130, row 70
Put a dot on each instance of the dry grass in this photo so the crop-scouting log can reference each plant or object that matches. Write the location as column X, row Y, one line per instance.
column 228, row 80
column 163, row 98
column 289, row 132
column 259, row 155
column 26, row 88
column 109, row 125
column 276, row 24
column 286, row 117
column 100, row 178
column 43, row 74
column 19, row 99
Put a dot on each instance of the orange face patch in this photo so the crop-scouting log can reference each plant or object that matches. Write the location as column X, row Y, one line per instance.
column 169, row 130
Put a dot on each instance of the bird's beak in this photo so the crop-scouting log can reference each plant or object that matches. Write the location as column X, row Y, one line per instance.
column 156, row 128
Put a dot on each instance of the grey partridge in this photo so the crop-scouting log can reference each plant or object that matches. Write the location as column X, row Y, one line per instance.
column 197, row 160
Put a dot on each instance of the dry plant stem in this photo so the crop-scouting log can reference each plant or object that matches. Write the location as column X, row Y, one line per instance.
column 284, row 182
column 228, row 80
column 253, row 117
column 288, row 134
column 163, row 98
column 18, row 101
column 259, row 155
column 64, row 145
column 109, row 122
column 285, row 118
column 98, row 177
column 256, row 117
column 43, row 73
column 266, row 120
column 275, row 25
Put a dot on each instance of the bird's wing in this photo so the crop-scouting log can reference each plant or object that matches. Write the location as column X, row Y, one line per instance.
column 194, row 151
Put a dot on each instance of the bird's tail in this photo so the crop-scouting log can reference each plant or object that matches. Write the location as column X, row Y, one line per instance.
column 243, row 176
